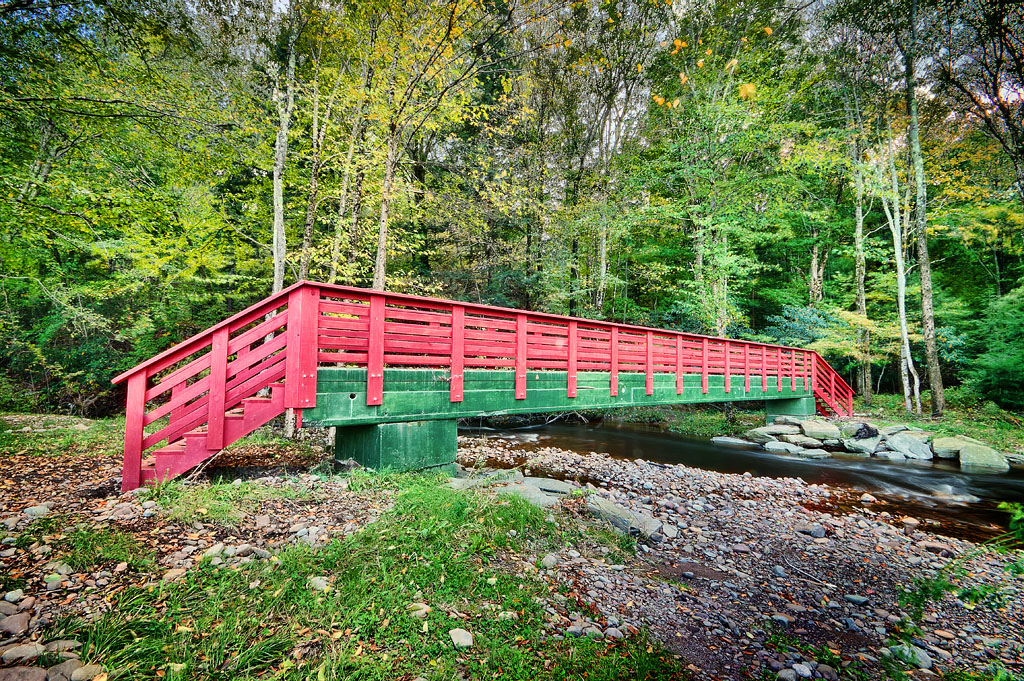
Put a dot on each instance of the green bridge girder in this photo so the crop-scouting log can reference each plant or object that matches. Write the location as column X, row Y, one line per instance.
column 395, row 434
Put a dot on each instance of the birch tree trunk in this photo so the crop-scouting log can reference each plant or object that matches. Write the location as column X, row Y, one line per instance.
column 860, row 267
column 921, row 222
column 386, row 192
column 285, row 101
column 893, row 217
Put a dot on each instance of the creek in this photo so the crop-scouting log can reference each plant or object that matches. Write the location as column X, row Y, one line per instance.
column 949, row 500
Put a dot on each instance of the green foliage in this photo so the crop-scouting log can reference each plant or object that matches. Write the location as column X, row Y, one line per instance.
column 998, row 372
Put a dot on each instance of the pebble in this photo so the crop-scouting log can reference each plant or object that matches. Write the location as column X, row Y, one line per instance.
column 549, row 561
column 461, row 638
column 25, row 652
column 87, row 673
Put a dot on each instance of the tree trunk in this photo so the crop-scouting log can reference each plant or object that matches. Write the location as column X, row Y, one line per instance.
column 602, row 268
column 353, row 230
column 921, row 222
column 860, row 266
column 310, row 221
column 387, row 188
column 815, row 287
column 285, row 105
column 893, row 217
column 574, row 275
column 339, row 227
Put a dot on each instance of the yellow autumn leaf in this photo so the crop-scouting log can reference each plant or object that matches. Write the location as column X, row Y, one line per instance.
column 732, row 63
column 567, row 43
column 675, row 103
column 767, row 30
column 747, row 90
column 639, row 68
column 708, row 51
column 700, row 63
column 683, row 78
column 677, row 42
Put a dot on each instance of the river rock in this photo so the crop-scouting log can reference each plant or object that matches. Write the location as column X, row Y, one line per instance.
column 819, row 430
column 729, row 442
column 858, row 430
column 532, row 494
column 550, row 486
column 761, row 435
column 801, row 441
column 782, row 447
column 866, row 445
column 23, row 674
column 982, row 459
column 912, row 655
column 892, row 430
column 909, row 446
column 786, row 421
column 461, row 638
column 948, row 447
column 813, row 454
column 623, row 519
column 890, row 455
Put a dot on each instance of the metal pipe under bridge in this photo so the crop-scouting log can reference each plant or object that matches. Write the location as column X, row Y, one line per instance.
column 393, row 372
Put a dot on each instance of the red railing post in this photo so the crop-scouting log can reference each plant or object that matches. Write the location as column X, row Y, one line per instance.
column 649, row 361
column 134, row 431
column 615, row 361
column 746, row 368
column 218, row 389
column 778, row 368
column 814, row 373
column 807, row 370
column 573, row 350
column 375, row 356
column 792, row 370
column 303, row 347
column 704, row 365
column 679, row 365
column 764, row 369
column 520, row 356
column 728, row 367
column 458, row 352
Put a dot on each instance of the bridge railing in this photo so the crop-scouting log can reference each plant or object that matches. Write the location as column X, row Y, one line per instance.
column 287, row 336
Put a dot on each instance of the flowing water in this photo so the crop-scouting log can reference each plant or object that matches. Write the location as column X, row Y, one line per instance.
column 952, row 501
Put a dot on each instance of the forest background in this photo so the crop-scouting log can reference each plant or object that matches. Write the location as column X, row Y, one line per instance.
column 842, row 175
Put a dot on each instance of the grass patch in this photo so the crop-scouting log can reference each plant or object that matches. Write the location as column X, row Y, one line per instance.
column 981, row 420
column 103, row 436
column 84, row 547
column 88, row 548
column 435, row 546
column 225, row 503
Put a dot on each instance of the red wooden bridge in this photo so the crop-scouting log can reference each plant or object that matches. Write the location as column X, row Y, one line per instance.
column 339, row 343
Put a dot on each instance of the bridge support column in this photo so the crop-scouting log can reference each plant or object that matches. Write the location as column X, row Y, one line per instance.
column 407, row 446
column 800, row 407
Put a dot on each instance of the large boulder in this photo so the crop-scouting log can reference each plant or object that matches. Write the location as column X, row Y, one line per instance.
column 621, row 518
column 801, row 441
column 723, row 441
column 865, row 446
column 858, row 429
column 762, row 435
column 982, row 459
column 948, row 447
column 782, row 448
column 908, row 446
column 820, row 430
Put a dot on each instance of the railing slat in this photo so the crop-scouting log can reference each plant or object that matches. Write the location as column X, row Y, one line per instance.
column 135, row 410
column 573, row 349
column 615, row 361
column 520, row 361
column 649, row 363
column 458, row 352
column 704, row 365
column 375, row 360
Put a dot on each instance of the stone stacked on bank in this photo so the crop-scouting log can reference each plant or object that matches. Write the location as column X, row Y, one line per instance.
column 818, row 438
